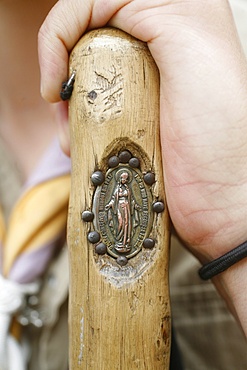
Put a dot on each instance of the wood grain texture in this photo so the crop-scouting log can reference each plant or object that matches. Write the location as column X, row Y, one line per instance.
column 119, row 315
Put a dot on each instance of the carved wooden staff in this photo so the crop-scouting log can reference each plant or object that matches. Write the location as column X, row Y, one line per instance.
column 118, row 223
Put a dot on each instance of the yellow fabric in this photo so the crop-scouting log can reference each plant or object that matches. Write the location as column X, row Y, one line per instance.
column 15, row 329
column 38, row 217
column 2, row 226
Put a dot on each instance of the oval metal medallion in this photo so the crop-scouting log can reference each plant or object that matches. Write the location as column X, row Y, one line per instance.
column 122, row 206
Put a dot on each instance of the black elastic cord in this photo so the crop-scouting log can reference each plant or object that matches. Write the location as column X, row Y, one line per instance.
column 222, row 263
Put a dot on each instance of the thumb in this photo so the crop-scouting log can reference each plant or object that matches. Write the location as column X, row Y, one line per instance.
column 58, row 34
column 62, row 28
column 60, row 112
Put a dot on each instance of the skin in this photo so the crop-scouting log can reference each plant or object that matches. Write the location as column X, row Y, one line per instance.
column 203, row 100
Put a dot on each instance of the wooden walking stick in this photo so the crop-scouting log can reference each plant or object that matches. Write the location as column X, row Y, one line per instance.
column 118, row 223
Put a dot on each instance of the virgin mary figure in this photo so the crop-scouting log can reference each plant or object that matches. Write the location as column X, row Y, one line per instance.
column 120, row 214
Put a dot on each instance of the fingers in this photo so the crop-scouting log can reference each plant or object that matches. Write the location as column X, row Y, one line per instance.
column 63, row 27
column 69, row 19
column 157, row 22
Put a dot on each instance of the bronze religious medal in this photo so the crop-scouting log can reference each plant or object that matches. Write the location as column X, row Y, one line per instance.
column 123, row 208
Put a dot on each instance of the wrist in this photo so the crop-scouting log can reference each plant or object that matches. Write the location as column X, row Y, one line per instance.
column 231, row 285
column 224, row 262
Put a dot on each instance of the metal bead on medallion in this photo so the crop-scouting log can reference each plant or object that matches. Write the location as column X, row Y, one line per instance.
column 93, row 237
